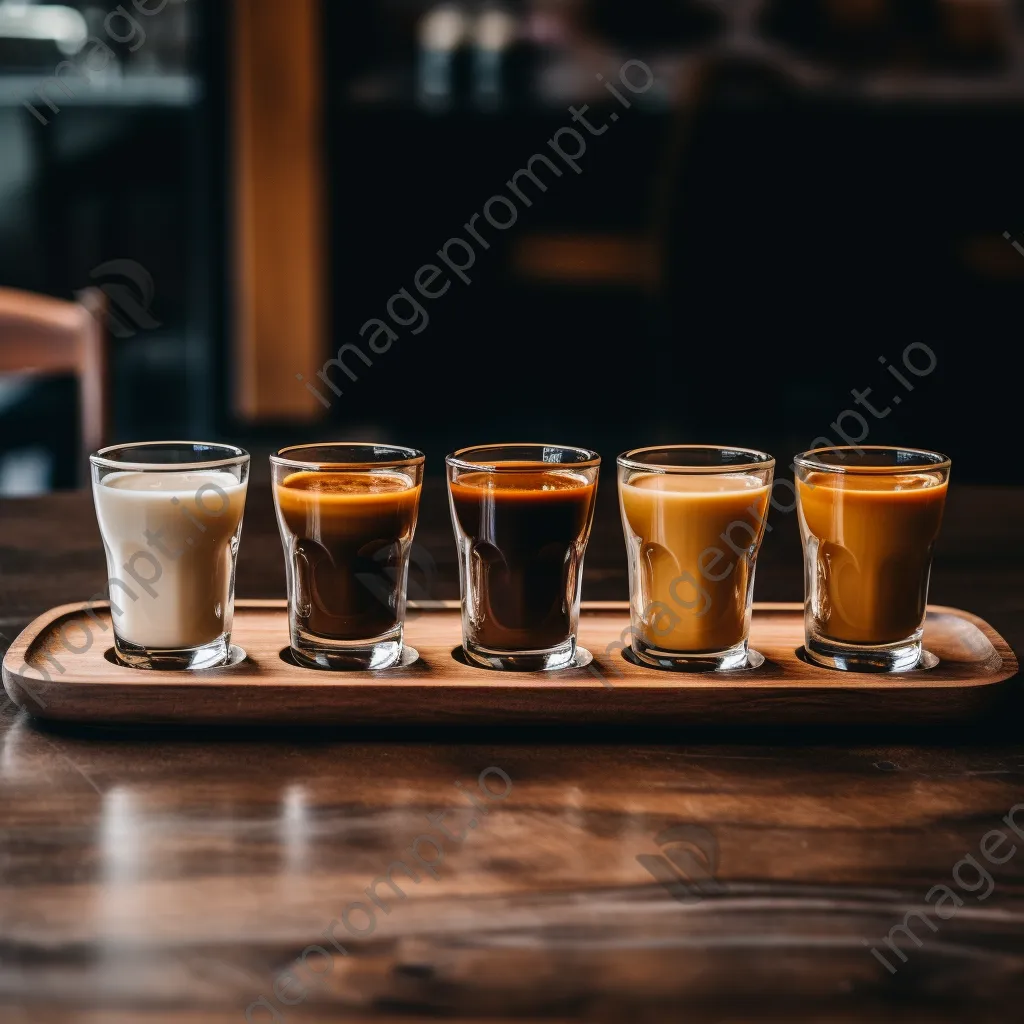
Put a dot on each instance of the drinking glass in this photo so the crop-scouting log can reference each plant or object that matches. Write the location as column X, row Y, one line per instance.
column 869, row 519
column 693, row 517
column 522, row 515
column 170, row 516
column 347, row 514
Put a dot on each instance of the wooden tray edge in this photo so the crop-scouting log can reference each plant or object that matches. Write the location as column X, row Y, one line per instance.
column 21, row 690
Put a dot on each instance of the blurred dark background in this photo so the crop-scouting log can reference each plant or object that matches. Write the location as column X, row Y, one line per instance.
column 805, row 189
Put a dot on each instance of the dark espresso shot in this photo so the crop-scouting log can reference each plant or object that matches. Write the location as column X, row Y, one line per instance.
column 522, row 535
column 348, row 536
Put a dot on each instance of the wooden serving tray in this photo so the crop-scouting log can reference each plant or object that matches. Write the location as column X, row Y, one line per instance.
column 973, row 673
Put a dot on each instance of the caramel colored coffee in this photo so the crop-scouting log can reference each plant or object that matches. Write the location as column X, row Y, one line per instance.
column 346, row 534
column 871, row 540
column 524, row 535
column 692, row 533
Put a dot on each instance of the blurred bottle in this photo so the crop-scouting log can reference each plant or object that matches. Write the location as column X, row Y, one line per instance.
column 443, row 36
column 495, row 37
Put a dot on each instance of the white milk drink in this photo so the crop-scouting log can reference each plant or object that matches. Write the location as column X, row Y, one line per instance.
column 170, row 539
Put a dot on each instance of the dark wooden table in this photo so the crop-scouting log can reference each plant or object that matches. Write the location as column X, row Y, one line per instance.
column 153, row 877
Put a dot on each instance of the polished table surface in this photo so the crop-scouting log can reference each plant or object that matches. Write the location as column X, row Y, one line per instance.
column 158, row 876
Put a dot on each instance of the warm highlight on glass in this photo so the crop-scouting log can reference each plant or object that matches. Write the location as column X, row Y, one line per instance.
column 170, row 515
column 347, row 515
column 522, row 515
column 869, row 519
column 694, row 517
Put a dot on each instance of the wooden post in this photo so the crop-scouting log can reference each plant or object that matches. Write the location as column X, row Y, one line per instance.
column 277, row 177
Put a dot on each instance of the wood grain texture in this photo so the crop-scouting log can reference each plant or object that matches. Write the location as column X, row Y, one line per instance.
column 168, row 876
column 61, row 667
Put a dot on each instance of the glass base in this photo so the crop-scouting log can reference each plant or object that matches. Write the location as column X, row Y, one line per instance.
column 175, row 659
column 380, row 652
column 735, row 657
column 902, row 656
column 548, row 660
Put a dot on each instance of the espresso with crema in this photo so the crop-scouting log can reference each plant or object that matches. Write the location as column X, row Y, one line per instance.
column 522, row 536
column 345, row 535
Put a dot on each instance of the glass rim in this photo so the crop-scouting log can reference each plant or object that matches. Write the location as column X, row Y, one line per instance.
column 927, row 459
column 591, row 458
column 757, row 460
column 406, row 456
column 234, row 456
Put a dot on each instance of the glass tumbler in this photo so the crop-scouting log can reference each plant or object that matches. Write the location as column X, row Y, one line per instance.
column 869, row 519
column 170, row 515
column 693, row 517
column 522, row 516
column 347, row 514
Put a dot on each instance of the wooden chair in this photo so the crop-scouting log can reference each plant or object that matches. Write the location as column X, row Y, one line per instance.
column 44, row 336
